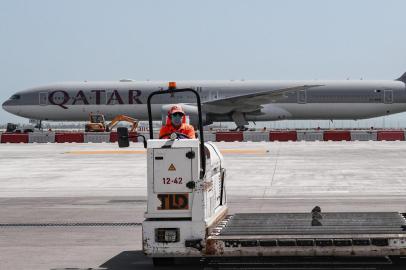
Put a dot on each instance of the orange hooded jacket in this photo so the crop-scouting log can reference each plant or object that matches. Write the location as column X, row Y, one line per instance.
column 185, row 128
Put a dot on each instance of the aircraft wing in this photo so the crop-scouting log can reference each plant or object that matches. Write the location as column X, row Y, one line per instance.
column 251, row 101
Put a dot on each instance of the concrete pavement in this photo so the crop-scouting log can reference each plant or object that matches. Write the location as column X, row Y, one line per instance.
column 63, row 184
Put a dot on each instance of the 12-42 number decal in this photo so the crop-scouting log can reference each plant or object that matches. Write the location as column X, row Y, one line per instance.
column 168, row 180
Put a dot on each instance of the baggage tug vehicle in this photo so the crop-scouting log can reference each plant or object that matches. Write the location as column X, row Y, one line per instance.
column 187, row 214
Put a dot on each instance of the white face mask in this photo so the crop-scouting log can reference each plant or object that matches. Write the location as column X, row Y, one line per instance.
column 176, row 119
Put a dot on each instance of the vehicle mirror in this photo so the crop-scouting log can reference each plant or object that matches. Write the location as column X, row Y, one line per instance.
column 144, row 141
column 123, row 139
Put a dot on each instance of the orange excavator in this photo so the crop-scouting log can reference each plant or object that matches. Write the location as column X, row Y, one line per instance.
column 97, row 123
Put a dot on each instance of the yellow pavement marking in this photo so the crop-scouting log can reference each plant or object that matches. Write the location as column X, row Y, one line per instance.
column 105, row 152
column 115, row 152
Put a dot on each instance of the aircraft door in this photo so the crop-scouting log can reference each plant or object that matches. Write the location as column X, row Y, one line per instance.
column 43, row 98
column 301, row 97
column 388, row 96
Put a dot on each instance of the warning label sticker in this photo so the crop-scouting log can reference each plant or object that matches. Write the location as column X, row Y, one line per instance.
column 172, row 167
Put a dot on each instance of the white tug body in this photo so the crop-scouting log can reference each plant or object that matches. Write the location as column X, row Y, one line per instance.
column 180, row 204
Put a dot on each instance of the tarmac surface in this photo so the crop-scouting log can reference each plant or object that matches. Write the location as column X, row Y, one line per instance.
column 81, row 205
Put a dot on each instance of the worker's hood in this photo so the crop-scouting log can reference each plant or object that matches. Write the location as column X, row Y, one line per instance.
column 191, row 112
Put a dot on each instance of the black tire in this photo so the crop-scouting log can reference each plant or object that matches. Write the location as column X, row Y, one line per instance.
column 163, row 261
column 86, row 129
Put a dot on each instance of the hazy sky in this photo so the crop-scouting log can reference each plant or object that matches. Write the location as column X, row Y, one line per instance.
column 49, row 41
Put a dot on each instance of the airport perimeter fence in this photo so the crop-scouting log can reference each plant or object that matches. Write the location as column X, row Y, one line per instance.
column 214, row 136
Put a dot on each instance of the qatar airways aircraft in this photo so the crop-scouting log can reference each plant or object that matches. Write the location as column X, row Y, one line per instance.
column 237, row 101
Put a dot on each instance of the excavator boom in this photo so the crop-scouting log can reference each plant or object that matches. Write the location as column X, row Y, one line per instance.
column 123, row 118
column 97, row 123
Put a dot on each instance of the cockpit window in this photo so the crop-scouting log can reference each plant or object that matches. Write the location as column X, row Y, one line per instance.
column 15, row 97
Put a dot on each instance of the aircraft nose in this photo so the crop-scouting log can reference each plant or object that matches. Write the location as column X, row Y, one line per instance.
column 10, row 106
column 6, row 105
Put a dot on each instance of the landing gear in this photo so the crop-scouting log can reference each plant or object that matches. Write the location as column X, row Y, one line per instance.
column 241, row 128
column 240, row 121
column 38, row 124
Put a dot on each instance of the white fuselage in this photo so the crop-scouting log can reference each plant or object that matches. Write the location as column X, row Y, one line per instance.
column 332, row 100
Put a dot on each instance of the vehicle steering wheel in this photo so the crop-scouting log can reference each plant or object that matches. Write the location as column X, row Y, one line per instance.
column 181, row 135
column 178, row 135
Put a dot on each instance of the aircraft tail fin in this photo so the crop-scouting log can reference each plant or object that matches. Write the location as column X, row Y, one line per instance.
column 402, row 78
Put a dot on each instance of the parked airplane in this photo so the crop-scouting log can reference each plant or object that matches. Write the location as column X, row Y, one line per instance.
column 238, row 101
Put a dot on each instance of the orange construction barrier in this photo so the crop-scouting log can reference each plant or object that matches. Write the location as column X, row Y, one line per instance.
column 391, row 135
column 283, row 136
column 229, row 136
column 337, row 135
column 69, row 137
column 14, row 138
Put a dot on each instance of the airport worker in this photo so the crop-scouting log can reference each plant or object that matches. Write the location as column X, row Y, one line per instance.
column 176, row 122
